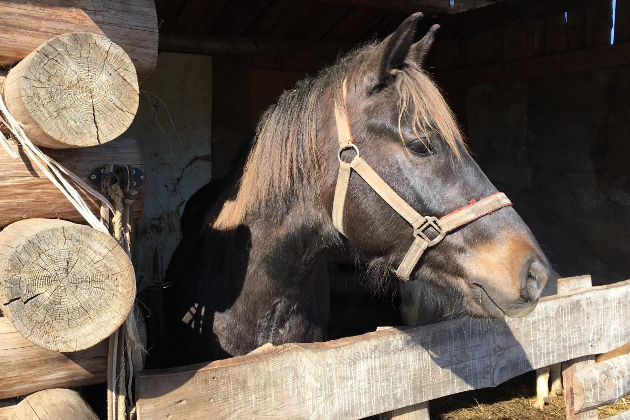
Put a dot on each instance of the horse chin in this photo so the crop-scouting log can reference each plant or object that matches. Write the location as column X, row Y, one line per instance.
column 485, row 306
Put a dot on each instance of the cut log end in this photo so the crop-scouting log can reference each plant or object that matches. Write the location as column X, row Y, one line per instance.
column 76, row 90
column 65, row 287
column 53, row 404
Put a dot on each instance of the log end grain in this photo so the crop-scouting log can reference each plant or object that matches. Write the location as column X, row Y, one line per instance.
column 76, row 90
column 64, row 286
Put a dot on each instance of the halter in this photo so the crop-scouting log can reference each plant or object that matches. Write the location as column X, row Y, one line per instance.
column 420, row 224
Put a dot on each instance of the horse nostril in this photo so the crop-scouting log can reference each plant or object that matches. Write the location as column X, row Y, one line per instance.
column 537, row 275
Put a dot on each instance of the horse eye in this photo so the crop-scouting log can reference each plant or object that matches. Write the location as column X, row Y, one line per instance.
column 419, row 147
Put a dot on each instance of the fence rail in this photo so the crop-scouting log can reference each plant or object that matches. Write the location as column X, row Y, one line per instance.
column 356, row 377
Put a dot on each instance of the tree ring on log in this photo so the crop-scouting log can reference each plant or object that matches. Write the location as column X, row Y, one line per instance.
column 75, row 90
column 64, row 286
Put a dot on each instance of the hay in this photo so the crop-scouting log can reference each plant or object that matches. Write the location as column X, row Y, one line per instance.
column 511, row 401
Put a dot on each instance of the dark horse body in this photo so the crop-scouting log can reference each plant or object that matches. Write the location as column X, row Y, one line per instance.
column 245, row 273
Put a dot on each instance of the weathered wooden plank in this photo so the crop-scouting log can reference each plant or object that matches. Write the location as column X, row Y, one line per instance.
column 572, row 61
column 26, row 367
column 557, row 38
column 566, row 286
column 515, row 42
column 6, row 409
column 623, row 416
column 431, row 6
column 385, row 370
column 206, row 45
column 622, row 21
column 536, row 37
column 598, row 23
column 414, row 412
column 601, row 383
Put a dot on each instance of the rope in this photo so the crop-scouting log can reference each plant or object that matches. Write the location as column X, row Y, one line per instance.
column 61, row 177
column 116, row 194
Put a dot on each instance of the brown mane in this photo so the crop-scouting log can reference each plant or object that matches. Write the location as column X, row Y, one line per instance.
column 285, row 164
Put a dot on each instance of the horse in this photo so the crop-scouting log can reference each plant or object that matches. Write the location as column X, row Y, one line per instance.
column 368, row 156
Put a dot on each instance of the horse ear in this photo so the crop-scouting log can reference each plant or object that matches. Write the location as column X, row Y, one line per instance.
column 397, row 47
column 420, row 49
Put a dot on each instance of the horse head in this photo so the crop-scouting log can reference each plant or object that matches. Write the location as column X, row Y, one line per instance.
column 382, row 106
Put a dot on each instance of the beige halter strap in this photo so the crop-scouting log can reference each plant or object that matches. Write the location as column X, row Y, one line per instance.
column 420, row 224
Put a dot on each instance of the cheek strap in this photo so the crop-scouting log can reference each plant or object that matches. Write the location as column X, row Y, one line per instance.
column 422, row 225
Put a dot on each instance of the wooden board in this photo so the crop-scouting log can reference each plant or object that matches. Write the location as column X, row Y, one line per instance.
column 26, row 367
column 360, row 376
column 568, row 62
column 132, row 24
column 25, row 192
column 601, row 383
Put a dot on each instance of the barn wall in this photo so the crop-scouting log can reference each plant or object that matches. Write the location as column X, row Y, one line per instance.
column 173, row 129
column 557, row 146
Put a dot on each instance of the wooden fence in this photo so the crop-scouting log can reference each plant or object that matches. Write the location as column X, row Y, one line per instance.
column 391, row 369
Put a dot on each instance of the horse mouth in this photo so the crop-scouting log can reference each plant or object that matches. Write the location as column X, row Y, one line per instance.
column 493, row 308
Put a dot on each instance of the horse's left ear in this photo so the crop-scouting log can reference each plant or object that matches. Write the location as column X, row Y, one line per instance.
column 397, row 47
column 420, row 49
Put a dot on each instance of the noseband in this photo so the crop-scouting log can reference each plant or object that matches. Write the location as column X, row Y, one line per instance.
column 421, row 224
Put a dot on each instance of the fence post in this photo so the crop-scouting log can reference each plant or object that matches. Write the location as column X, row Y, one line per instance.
column 413, row 412
column 565, row 286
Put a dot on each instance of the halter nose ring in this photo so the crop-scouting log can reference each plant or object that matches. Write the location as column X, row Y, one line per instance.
column 344, row 148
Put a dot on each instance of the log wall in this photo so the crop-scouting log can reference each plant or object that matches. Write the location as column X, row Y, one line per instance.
column 26, row 367
column 25, row 192
column 132, row 24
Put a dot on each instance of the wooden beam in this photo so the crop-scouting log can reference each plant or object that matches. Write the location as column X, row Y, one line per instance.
column 602, row 383
column 273, row 47
column 569, row 62
column 571, row 367
column 357, row 377
column 26, row 367
column 411, row 6
column 500, row 14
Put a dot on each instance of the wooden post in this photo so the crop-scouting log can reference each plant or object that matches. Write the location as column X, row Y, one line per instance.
column 64, row 286
column 569, row 368
column 75, row 90
column 53, row 404
column 601, row 383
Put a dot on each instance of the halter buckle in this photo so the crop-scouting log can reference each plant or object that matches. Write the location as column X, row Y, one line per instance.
column 430, row 222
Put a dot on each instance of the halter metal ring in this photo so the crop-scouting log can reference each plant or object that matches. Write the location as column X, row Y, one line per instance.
column 431, row 222
column 343, row 148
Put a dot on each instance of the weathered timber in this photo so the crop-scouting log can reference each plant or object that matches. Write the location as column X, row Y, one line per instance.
column 26, row 367
column 601, row 383
column 571, row 367
column 501, row 14
column 64, row 286
column 622, row 416
column 132, row 24
column 6, row 409
column 75, row 90
column 25, row 192
column 411, row 6
column 273, row 47
column 374, row 373
column 572, row 61
column 53, row 404
column 415, row 412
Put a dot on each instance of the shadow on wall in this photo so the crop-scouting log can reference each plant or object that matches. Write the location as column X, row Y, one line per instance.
column 172, row 128
column 557, row 146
